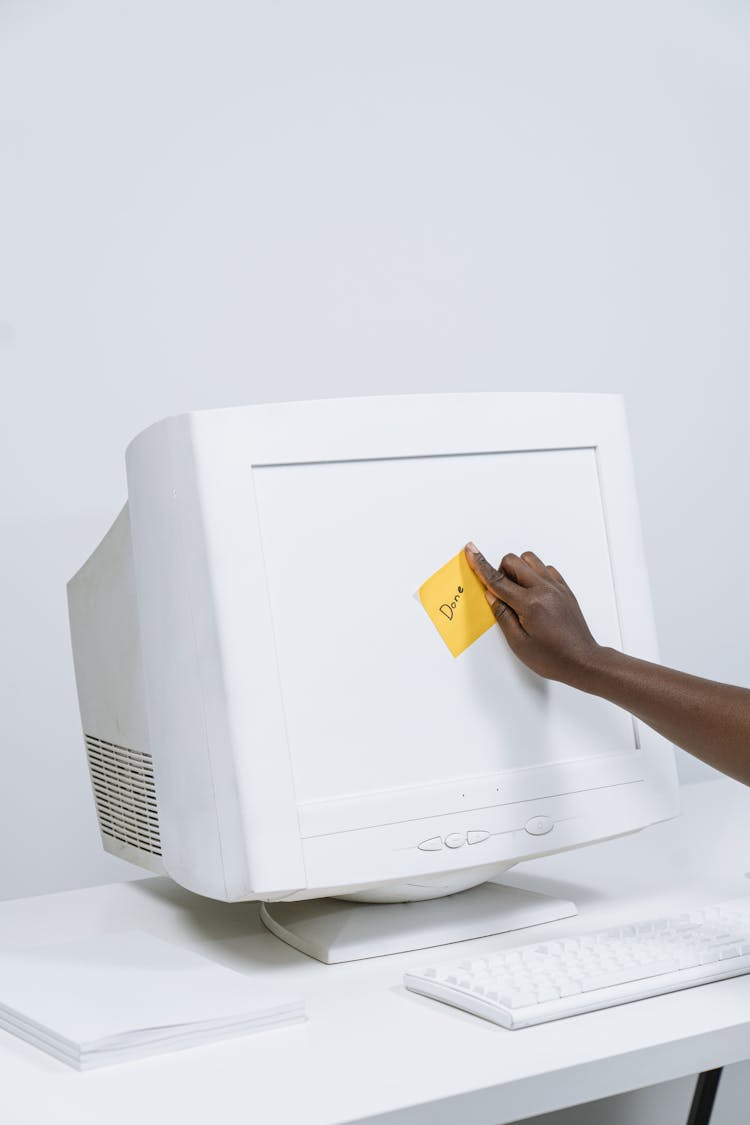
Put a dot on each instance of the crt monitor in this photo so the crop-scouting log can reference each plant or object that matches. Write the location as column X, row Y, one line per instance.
column 270, row 714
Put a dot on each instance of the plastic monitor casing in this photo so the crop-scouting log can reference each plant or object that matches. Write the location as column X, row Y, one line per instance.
column 181, row 697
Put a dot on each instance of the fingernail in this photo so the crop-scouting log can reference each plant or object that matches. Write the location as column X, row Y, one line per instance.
column 472, row 548
column 490, row 597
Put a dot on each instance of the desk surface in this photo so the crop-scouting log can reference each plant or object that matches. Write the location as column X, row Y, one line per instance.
column 373, row 1051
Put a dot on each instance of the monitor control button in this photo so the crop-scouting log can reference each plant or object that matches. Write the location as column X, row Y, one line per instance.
column 539, row 825
column 432, row 845
column 455, row 840
column 477, row 837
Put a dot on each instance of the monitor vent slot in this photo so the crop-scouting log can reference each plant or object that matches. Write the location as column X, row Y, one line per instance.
column 125, row 796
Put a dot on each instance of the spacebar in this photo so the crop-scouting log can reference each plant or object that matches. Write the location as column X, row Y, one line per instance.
column 627, row 976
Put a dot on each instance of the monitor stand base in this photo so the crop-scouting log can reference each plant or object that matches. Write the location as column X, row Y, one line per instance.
column 333, row 931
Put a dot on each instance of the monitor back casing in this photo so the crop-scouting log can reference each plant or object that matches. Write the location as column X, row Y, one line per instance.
column 181, row 696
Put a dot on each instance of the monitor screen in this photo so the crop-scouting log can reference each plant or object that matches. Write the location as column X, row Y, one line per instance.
column 373, row 699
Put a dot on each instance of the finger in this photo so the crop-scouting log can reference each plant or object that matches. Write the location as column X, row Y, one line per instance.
column 494, row 580
column 558, row 577
column 478, row 563
column 520, row 571
column 534, row 562
column 506, row 618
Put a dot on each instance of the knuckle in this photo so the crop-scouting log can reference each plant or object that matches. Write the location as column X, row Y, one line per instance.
column 489, row 575
column 538, row 602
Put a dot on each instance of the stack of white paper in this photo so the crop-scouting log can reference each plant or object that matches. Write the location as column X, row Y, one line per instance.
column 122, row 996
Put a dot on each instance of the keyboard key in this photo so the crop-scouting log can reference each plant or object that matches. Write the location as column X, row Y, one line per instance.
column 625, row 976
column 569, row 987
column 521, row 999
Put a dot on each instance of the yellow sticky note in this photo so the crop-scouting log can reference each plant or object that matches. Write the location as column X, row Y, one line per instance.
column 455, row 603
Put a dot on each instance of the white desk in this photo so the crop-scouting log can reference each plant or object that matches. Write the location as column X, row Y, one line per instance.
column 373, row 1051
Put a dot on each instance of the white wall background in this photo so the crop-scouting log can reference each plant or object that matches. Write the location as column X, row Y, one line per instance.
column 226, row 201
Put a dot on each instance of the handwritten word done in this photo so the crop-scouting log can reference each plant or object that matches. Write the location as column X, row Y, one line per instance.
column 447, row 608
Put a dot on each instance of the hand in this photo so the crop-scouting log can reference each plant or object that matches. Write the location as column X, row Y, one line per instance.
column 538, row 614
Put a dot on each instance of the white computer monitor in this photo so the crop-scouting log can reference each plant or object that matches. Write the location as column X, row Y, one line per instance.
column 268, row 711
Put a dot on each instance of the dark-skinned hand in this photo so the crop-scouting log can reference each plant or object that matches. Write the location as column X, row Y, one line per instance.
column 538, row 614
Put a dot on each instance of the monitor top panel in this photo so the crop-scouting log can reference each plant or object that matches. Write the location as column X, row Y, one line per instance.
column 372, row 698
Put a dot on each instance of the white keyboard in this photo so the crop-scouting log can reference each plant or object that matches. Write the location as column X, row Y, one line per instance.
column 549, row 980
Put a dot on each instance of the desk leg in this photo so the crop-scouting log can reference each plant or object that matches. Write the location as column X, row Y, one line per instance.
column 704, row 1096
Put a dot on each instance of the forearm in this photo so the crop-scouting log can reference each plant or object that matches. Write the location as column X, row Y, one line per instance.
column 709, row 720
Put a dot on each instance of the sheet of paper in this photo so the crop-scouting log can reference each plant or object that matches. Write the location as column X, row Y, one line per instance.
column 130, row 987
column 456, row 605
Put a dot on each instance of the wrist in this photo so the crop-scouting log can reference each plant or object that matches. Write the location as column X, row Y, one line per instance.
column 596, row 670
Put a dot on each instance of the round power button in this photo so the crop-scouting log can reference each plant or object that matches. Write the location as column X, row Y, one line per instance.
column 539, row 825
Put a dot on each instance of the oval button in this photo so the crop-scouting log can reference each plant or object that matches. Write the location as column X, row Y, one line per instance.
column 539, row 825
column 455, row 840
column 477, row 836
column 434, row 844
